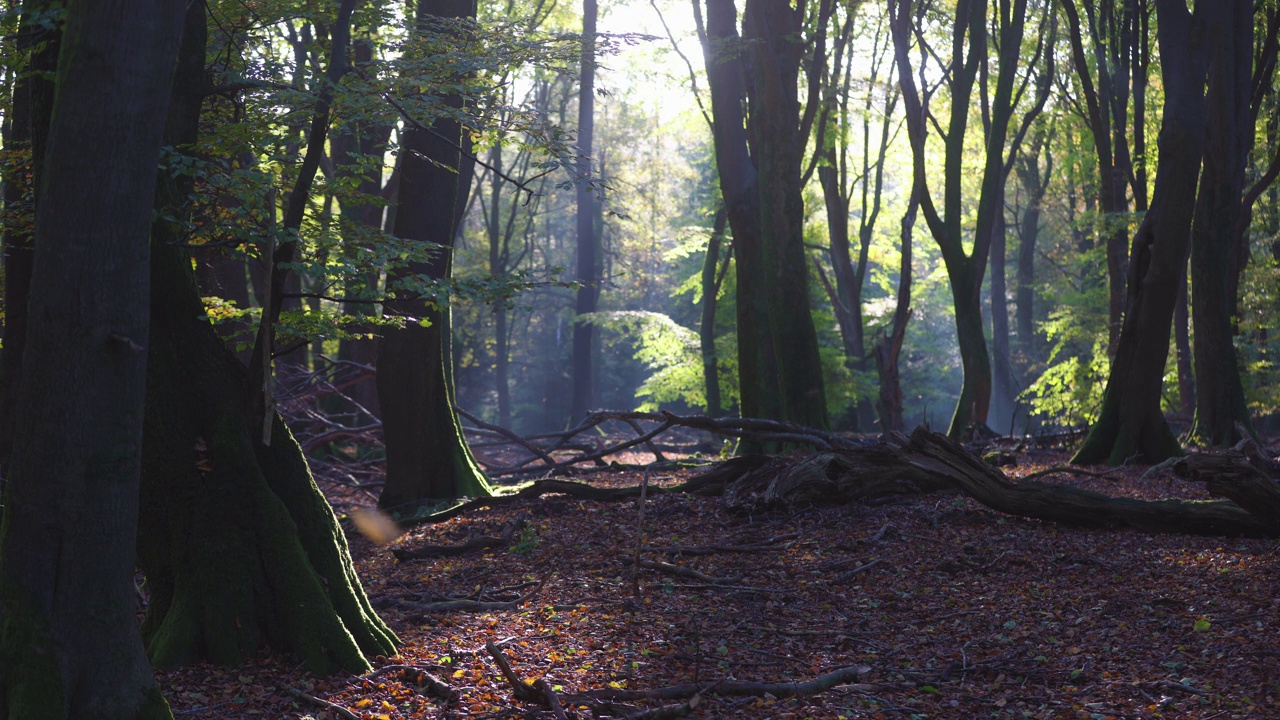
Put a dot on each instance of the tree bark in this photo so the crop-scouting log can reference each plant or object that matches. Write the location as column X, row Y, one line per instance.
column 1130, row 423
column 69, row 645
column 238, row 545
column 427, row 456
column 707, row 327
column 588, row 241
column 1220, row 403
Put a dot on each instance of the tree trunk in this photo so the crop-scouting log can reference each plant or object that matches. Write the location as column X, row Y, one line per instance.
column 890, row 347
column 1004, row 391
column 740, row 185
column 238, row 545
column 965, row 269
column 358, row 143
column 1182, row 346
column 1220, row 403
column 588, row 241
column 1130, row 423
column 427, row 456
column 707, row 327
column 1036, row 184
column 775, row 31
column 69, row 645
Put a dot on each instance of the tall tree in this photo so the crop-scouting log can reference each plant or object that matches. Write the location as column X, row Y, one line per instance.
column 427, row 456
column 1130, row 423
column 225, row 580
column 1220, row 404
column 759, row 150
column 834, row 132
column 588, row 241
column 1111, row 71
column 965, row 76
column 69, row 645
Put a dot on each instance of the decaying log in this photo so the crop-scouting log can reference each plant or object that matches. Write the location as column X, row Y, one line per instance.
column 929, row 461
column 1243, row 475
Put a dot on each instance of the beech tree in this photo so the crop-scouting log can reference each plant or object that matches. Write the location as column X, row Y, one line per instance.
column 427, row 457
column 238, row 545
column 588, row 247
column 69, row 645
column 759, row 131
column 1130, row 423
column 965, row 77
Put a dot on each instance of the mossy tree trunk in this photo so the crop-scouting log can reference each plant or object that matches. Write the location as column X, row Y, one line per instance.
column 69, row 644
column 427, row 456
column 1130, row 423
column 239, row 547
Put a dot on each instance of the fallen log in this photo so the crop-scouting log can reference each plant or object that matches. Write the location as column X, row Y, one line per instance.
column 1243, row 475
column 928, row 462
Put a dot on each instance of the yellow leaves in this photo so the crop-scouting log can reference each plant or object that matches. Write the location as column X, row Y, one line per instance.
column 364, row 703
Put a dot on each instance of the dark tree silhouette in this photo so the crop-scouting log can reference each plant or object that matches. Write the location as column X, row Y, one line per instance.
column 69, row 645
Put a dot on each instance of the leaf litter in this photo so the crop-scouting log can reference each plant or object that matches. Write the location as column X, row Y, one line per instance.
column 937, row 605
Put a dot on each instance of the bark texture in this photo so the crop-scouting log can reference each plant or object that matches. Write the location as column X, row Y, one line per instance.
column 69, row 645
column 1130, row 424
column 427, row 456
column 239, row 546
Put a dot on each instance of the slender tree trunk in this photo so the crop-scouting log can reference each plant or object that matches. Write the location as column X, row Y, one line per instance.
column 427, row 456
column 1130, row 423
column 588, row 241
column 69, row 645
column 359, row 143
column 1004, row 391
column 889, row 348
column 1182, row 345
column 238, row 545
column 707, row 327
column 1036, row 184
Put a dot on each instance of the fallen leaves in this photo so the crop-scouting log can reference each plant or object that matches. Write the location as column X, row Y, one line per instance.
column 944, row 608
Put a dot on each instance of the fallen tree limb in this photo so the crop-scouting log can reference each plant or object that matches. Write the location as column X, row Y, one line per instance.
column 1243, row 475
column 681, row 571
column 819, row 684
column 471, row 605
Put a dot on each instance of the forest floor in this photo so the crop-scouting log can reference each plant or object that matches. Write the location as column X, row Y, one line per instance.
column 935, row 607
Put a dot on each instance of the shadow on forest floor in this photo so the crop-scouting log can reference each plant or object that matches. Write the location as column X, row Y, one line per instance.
column 938, row 606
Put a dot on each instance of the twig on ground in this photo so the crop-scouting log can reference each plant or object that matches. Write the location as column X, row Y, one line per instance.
column 319, row 702
column 685, row 572
column 521, row 689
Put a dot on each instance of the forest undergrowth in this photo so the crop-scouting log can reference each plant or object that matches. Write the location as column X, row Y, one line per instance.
column 930, row 606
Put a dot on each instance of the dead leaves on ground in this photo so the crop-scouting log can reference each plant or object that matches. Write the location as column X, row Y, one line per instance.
column 947, row 610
